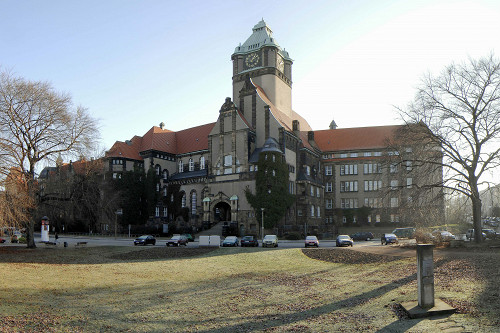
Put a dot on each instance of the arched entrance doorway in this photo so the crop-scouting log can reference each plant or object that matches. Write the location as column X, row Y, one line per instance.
column 222, row 212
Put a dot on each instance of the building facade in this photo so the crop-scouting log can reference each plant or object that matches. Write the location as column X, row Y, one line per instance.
column 333, row 173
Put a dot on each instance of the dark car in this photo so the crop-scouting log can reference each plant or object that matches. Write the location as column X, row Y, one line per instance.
column 177, row 240
column 145, row 240
column 249, row 241
column 311, row 241
column 230, row 241
column 362, row 235
column 443, row 235
column 389, row 239
column 404, row 232
column 2, row 240
column 344, row 240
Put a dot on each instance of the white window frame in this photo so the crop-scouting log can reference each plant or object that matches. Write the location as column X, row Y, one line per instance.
column 202, row 163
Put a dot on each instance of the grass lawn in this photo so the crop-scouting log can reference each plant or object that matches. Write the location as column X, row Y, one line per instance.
column 159, row 289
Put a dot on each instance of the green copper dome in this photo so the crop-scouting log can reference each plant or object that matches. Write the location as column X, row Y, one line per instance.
column 262, row 36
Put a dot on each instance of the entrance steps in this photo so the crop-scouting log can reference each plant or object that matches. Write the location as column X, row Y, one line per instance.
column 215, row 230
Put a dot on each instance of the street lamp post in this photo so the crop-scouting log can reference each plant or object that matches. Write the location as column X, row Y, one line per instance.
column 118, row 212
column 262, row 226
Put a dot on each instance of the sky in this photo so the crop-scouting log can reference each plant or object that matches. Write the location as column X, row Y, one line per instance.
column 135, row 64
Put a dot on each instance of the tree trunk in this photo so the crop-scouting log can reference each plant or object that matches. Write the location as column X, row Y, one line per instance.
column 476, row 217
column 30, row 234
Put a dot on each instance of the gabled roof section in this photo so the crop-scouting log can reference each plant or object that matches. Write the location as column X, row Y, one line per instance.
column 182, row 142
column 193, row 139
column 344, row 139
column 159, row 139
column 129, row 149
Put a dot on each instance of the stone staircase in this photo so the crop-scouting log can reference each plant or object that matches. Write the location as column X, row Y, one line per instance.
column 215, row 230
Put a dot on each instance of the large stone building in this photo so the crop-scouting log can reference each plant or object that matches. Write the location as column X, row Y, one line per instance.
column 332, row 172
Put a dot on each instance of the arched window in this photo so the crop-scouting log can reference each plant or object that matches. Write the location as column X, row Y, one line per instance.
column 165, row 174
column 165, row 191
column 191, row 165
column 193, row 203
column 181, row 166
column 202, row 163
column 183, row 203
column 158, row 170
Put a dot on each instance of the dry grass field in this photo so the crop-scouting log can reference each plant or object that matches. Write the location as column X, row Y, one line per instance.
column 159, row 289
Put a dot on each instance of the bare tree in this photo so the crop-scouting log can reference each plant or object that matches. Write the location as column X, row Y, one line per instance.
column 461, row 109
column 414, row 176
column 36, row 124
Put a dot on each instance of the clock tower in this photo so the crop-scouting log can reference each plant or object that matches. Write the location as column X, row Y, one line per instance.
column 269, row 66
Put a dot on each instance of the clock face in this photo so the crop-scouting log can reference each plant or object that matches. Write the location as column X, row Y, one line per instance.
column 252, row 60
column 281, row 64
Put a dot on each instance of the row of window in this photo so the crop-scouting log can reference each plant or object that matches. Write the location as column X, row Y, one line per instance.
column 191, row 164
column 368, row 168
column 394, row 218
column 368, row 202
column 314, row 211
column 369, row 185
column 346, row 155
column 194, row 201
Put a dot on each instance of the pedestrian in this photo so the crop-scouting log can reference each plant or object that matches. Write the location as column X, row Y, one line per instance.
column 56, row 236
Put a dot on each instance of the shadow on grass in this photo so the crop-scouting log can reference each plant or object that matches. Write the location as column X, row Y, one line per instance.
column 97, row 255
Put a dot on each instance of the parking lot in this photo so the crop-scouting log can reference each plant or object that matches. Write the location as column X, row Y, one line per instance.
column 77, row 241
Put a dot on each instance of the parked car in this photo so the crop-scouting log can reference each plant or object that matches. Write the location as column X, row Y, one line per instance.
column 443, row 235
column 145, row 240
column 491, row 234
column 311, row 241
column 177, row 240
column 344, row 240
column 389, row 239
column 2, row 240
column 404, row 232
column 270, row 241
column 230, row 241
column 362, row 235
column 470, row 234
column 249, row 241
column 189, row 237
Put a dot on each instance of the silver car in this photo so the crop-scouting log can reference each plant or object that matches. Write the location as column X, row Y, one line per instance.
column 270, row 241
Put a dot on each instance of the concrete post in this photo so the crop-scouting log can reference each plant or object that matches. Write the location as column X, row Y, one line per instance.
column 425, row 275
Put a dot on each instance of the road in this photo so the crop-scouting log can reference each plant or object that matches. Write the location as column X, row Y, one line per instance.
column 125, row 241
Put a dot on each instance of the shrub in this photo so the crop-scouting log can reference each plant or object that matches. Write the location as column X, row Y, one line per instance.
column 292, row 236
column 423, row 237
column 22, row 240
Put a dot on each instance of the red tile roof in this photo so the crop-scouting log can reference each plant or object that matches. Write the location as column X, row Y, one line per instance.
column 193, row 139
column 185, row 141
column 346, row 139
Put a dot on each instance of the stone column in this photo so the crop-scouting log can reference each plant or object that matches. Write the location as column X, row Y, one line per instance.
column 425, row 275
